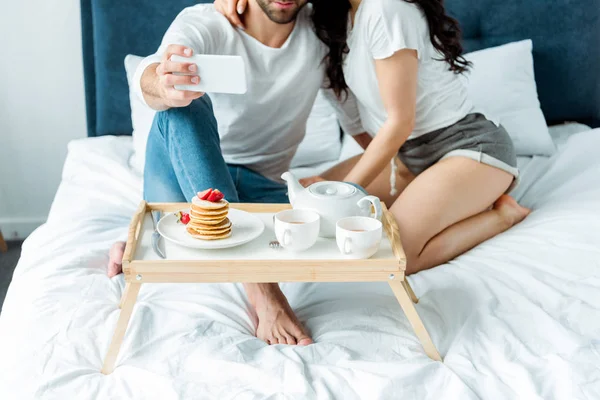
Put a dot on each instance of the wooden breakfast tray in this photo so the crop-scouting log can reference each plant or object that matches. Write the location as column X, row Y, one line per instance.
column 257, row 262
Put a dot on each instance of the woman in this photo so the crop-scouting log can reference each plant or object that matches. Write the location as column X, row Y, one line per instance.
column 448, row 165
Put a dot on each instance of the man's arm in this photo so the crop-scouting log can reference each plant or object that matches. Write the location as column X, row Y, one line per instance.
column 346, row 110
column 348, row 116
column 158, row 80
column 193, row 31
column 363, row 139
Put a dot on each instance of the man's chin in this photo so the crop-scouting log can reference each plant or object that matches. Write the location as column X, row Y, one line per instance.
column 285, row 21
column 283, row 17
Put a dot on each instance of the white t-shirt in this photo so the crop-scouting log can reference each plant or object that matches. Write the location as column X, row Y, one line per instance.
column 381, row 28
column 262, row 128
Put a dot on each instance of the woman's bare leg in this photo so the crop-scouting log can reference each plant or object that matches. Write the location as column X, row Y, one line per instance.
column 381, row 185
column 445, row 211
column 468, row 233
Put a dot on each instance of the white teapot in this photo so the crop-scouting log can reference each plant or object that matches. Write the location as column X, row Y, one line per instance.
column 332, row 201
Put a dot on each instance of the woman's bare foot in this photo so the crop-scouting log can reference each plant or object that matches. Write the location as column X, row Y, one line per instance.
column 277, row 323
column 115, row 262
column 510, row 210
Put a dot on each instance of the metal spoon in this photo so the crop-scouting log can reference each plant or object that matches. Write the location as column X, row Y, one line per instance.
column 275, row 245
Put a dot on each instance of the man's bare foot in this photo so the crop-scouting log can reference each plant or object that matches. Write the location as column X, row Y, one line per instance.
column 277, row 323
column 510, row 210
column 115, row 262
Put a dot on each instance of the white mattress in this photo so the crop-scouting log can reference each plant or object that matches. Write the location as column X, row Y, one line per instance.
column 516, row 317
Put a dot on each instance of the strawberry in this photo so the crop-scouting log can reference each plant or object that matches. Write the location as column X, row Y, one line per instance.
column 182, row 217
column 185, row 218
column 204, row 195
column 220, row 196
column 215, row 196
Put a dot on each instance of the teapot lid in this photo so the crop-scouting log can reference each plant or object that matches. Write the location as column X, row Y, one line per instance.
column 332, row 190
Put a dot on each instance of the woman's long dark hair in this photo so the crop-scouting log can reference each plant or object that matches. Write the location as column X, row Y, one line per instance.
column 330, row 18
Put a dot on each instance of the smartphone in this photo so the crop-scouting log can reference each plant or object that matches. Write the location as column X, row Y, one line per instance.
column 218, row 74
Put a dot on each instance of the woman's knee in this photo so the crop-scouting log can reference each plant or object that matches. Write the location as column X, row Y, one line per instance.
column 413, row 240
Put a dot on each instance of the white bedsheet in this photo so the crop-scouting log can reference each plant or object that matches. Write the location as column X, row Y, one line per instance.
column 517, row 317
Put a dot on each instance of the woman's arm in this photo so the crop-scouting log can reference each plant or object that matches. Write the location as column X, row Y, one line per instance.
column 397, row 77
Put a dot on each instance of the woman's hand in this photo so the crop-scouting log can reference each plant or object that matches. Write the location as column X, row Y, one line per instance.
column 309, row 181
column 232, row 9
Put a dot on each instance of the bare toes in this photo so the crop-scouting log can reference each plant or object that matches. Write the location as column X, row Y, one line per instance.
column 115, row 259
column 290, row 340
column 282, row 340
column 305, row 341
column 276, row 319
column 113, row 270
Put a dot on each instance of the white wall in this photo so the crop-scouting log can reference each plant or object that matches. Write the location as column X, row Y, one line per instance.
column 42, row 106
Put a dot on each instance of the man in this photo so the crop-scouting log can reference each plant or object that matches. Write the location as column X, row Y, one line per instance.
column 240, row 144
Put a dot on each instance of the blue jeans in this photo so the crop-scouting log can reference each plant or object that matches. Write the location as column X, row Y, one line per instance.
column 183, row 157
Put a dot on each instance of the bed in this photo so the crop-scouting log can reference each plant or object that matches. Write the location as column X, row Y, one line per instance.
column 515, row 318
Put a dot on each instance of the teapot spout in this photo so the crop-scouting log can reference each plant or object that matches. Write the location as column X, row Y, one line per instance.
column 294, row 187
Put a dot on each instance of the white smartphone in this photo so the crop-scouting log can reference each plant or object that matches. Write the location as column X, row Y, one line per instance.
column 218, row 74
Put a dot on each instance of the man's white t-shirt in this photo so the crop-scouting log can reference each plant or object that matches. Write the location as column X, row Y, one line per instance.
column 381, row 28
column 262, row 128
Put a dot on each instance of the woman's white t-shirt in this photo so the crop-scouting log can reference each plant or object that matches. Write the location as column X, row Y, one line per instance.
column 381, row 28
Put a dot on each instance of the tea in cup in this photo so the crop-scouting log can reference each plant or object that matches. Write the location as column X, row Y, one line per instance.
column 358, row 237
column 297, row 230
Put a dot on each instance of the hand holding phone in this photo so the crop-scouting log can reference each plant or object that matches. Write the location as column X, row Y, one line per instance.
column 218, row 74
column 169, row 74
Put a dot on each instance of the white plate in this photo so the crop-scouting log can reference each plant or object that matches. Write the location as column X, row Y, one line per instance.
column 245, row 227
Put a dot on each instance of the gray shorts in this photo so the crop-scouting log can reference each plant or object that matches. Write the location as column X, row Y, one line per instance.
column 473, row 137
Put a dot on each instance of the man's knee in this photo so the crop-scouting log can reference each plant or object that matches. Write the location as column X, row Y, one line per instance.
column 199, row 112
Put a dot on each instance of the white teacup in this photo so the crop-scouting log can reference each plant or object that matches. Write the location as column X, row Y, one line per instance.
column 358, row 237
column 297, row 230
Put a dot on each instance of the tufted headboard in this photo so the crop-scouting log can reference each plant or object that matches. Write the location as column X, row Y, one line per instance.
column 566, row 47
column 111, row 30
column 565, row 34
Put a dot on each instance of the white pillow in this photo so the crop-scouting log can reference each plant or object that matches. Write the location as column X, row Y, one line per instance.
column 322, row 142
column 142, row 117
column 502, row 86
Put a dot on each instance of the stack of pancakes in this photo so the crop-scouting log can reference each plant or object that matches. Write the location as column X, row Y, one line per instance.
column 208, row 220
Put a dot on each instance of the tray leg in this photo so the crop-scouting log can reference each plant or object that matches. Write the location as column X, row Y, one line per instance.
column 129, row 299
column 409, row 290
column 125, row 294
column 414, row 319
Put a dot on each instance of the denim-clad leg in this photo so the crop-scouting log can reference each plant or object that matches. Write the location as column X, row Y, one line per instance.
column 255, row 188
column 183, row 155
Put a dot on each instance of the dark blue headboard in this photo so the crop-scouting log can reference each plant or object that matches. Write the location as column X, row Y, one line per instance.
column 111, row 30
column 566, row 47
column 565, row 34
